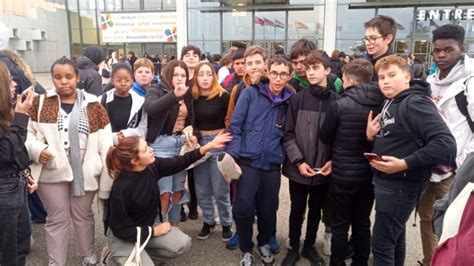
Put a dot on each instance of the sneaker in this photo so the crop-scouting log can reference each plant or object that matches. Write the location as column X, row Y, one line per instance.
column 312, row 255
column 327, row 244
column 90, row 261
column 274, row 245
column 291, row 257
column 233, row 243
column 247, row 259
column 104, row 256
column 205, row 231
column 265, row 255
column 184, row 218
column 226, row 233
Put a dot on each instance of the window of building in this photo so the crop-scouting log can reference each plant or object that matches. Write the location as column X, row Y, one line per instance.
column 237, row 25
column 131, row 5
column 169, row 4
column 152, row 4
column 306, row 24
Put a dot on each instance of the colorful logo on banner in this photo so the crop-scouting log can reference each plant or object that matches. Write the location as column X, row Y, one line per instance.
column 170, row 34
column 106, row 21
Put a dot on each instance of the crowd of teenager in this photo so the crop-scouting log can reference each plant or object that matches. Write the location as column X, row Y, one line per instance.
column 350, row 134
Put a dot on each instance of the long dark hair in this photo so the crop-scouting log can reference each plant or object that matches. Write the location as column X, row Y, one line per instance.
column 6, row 114
column 119, row 158
column 168, row 72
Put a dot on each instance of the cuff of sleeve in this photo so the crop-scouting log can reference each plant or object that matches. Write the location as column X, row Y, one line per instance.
column 103, row 195
column 412, row 161
column 21, row 119
column 299, row 162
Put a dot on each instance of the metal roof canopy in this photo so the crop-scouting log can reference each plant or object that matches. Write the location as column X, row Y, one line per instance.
column 404, row 3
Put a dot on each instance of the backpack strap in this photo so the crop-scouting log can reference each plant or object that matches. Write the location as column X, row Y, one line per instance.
column 240, row 88
column 461, row 102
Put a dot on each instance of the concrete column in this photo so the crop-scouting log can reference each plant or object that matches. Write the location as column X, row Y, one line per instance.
column 330, row 24
column 182, row 25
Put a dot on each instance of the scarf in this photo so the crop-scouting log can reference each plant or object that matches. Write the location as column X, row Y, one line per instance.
column 74, row 155
column 140, row 90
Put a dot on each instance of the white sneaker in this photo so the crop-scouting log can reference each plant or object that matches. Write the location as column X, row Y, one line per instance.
column 90, row 261
column 265, row 255
column 327, row 244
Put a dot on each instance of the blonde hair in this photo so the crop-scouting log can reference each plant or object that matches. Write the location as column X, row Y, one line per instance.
column 144, row 62
column 22, row 64
column 396, row 60
column 255, row 49
column 216, row 89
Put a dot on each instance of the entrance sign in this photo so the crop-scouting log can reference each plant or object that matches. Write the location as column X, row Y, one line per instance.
column 446, row 14
column 138, row 27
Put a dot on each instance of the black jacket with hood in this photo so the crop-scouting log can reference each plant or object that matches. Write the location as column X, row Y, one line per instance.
column 344, row 128
column 393, row 140
column 162, row 107
column 90, row 79
column 301, row 143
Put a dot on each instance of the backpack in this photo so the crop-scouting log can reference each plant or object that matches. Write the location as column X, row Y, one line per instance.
column 447, row 164
column 461, row 102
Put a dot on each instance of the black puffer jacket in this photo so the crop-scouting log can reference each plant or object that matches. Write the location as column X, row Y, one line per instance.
column 162, row 107
column 90, row 79
column 304, row 121
column 344, row 128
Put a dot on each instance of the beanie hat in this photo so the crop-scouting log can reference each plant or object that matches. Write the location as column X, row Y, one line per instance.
column 95, row 54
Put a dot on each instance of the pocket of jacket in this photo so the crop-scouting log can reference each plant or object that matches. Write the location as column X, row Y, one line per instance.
column 252, row 137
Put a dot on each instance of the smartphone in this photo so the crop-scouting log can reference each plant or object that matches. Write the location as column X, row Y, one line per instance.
column 23, row 93
column 318, row 171
column 372, row 156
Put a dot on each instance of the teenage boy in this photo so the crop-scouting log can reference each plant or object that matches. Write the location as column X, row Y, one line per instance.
column 190, row 55
column 380, row 31
column 238, row 64
column 257, row 129
column 88, row 64
column 351, row 186
column 299, row 50
column 306, row 154
column 255, row 71
column 453, row 79
column 402, row 167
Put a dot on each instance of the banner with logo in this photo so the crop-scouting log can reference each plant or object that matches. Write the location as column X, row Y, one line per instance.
column 138, row 27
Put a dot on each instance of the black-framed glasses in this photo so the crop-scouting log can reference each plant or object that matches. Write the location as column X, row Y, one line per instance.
column 371, row 39
column 283, row 75
column 447, row 50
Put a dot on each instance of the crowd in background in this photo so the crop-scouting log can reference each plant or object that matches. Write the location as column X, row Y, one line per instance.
column 148, row 136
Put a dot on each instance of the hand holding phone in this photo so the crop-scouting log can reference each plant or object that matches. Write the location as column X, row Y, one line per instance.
column 318, row 171
column 372, row 156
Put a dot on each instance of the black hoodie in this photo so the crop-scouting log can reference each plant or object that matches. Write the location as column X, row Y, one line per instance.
column 344, row 128
column 90, row 79
column 393, row 140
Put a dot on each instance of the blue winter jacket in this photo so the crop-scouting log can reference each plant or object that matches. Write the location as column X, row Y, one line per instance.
column 257, row 126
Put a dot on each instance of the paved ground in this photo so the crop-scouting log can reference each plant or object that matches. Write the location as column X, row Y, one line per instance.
column 211, row 251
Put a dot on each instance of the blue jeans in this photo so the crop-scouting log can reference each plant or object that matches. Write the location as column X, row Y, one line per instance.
column 166, row 147
column 15, row 230
column 256, row 193
column 393, row 208
column 211, row 186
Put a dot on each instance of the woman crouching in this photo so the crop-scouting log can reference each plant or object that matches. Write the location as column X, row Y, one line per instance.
column 135, row 200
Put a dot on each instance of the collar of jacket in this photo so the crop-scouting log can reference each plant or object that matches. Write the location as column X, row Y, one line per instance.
column 302, row 82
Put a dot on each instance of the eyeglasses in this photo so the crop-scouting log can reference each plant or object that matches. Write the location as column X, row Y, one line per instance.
column 447, row 50
column 371, row 39
column 274, row 74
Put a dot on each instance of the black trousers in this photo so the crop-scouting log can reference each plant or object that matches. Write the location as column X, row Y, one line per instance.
column 302, row 195
column 351, row 206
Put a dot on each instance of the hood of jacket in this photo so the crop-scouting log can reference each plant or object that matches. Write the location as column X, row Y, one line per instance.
column 367, row 94
column 463, row 69
column 85, row 63
column 418, row 87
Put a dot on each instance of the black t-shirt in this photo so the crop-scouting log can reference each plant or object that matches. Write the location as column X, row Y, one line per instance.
column 67, row 107
column 210, row 114
column 119, row 112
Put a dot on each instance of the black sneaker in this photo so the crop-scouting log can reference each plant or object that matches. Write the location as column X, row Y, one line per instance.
column 183, row 215
column 205, row 231
column 312, row 255
column 291, row 257
column 226, row 233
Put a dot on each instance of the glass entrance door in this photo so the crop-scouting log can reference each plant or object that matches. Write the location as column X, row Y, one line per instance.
column 273, row 47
